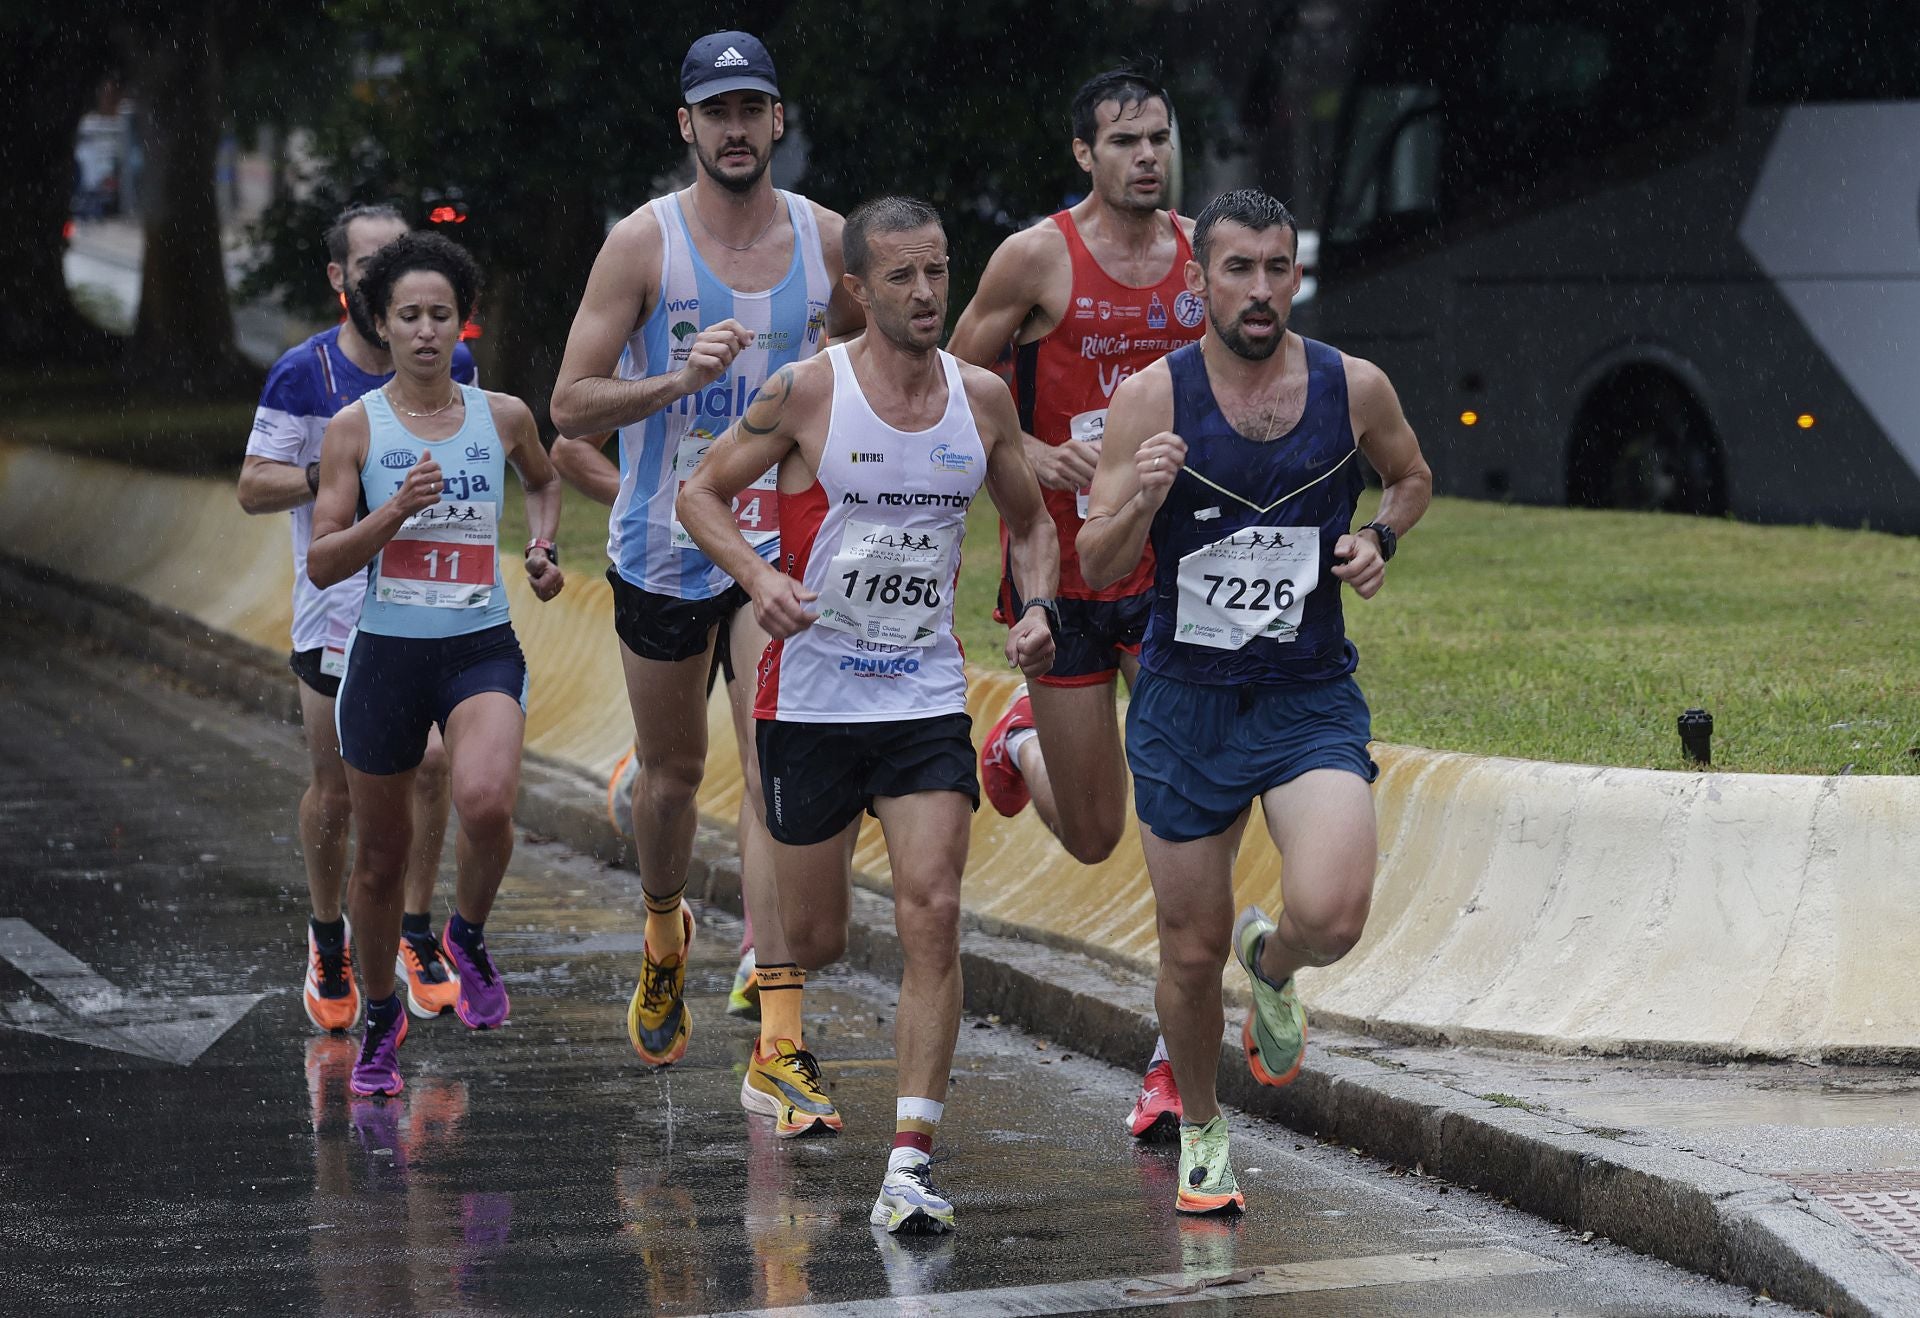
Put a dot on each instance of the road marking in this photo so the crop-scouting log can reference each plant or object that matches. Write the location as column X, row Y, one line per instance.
column 1121, row 1292
column 94, row 1012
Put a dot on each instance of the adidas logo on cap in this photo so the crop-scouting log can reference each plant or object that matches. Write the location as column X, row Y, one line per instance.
column 730, row 59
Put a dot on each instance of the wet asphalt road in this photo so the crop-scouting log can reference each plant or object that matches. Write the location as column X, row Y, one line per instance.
column 177, row 1140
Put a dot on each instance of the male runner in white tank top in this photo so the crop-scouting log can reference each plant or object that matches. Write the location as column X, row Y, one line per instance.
column 695, row 299
column 881, row 449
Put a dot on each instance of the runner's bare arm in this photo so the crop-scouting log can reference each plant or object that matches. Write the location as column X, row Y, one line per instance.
column 270, row 486
column 620, row 292
column 584, row 464
column 1381, row 429
column 1022, row 294
column 1140, row 457
column 845, row 318
column 342, row 546
column 755, row 443
column 513, row 419
column 1033, row 543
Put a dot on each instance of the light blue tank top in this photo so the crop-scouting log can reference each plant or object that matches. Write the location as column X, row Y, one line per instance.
column 648, row 546
column 440, row 574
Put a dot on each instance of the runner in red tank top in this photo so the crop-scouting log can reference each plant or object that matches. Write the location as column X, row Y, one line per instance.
column 1087, row 297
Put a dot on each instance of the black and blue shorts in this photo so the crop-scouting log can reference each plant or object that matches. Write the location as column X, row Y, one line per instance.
column 398, row 687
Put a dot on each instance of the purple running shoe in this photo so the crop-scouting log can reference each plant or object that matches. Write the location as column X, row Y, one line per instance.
column 482, row 1004
column 377, row 1071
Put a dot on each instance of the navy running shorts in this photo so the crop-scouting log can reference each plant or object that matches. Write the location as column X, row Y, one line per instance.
column 666, row 628
column 818, row 777
column 1093, row 634
column 397, row 687
column 1201, row 754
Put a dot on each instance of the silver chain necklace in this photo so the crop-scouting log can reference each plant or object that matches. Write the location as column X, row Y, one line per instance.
column 707, row 229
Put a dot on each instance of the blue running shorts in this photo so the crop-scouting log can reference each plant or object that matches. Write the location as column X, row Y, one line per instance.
column 396, row 687
column 1200, row 754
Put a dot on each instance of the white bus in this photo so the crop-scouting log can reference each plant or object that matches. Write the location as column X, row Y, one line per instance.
column 1631, row 253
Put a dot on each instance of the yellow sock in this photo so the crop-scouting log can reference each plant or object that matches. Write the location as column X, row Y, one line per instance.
column 666, row 929
column 781, row 988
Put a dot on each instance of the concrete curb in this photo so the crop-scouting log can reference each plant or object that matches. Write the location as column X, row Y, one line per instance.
column 1740, row 1228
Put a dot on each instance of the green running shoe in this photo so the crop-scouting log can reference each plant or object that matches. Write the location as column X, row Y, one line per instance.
column 1275, row 1035
column 1206, row 1175
column 744, row 1000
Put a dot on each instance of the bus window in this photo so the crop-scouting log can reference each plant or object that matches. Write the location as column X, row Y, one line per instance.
column 1834, row 50
column 1391, row 179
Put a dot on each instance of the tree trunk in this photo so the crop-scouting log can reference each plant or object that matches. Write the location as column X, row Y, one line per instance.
column 527, row 315
column 183, row 338
column 46, row 78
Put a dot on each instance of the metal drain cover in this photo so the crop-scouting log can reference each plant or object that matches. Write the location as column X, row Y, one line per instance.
column 1882, row 1206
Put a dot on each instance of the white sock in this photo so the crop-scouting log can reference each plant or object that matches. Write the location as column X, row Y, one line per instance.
column 1159, row 1051
column 900, row 1158
column 1016, row 742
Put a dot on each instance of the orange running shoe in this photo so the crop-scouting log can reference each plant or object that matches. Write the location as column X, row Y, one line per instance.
column 422, row 965
column 332, row 998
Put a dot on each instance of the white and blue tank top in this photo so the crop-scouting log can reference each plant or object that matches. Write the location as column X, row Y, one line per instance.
column 440, row 574
column 648, row 546
column 1243, row 589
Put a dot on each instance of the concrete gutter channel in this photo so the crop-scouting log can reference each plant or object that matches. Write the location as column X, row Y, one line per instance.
column 1739, row 1227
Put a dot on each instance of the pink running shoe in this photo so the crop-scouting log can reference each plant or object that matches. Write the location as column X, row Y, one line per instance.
column 1156, row 1113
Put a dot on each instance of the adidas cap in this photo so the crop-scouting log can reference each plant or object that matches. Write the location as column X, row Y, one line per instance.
column 726, row 62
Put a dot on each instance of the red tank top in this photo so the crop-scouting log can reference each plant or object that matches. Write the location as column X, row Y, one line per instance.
column 1064, row 380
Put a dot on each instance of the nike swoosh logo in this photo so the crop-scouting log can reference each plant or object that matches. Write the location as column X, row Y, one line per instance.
column 800, row 1099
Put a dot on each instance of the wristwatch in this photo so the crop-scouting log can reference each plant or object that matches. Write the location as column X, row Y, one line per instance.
column 553, row 550
column 1052, row 611
column 1389, row 539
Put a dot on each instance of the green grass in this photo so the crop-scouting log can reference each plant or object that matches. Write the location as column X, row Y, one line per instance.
column 92, row 413
column 1561, row 634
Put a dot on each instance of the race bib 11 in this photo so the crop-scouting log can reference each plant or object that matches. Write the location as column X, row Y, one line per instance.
column 442, row 557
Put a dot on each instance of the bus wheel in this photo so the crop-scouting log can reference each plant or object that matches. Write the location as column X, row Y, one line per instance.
column 1644, row 444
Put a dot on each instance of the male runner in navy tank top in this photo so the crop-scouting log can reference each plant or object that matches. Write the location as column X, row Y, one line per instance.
column 696, row 299
column 881, row 449
column 1088, row 297
column 309, row 384
column 1237, row 460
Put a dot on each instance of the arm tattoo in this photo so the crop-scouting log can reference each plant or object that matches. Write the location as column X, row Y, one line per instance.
column 769, row 403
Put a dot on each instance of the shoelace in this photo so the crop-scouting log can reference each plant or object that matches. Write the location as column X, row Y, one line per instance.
column 333, row 971
column 377, row 1032
column 919, row 1175
column 431, row 956
column 657, row 985
column 808, row 1067
column 482, row 963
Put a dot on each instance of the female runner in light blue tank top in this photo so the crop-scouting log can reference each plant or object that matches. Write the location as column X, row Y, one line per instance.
column 424, row 459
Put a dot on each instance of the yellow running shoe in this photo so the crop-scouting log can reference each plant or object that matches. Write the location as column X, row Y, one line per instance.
column 657, row 1019
column 787, row 1087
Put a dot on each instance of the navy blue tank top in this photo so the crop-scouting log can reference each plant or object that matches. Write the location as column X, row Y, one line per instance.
column 1243, row 588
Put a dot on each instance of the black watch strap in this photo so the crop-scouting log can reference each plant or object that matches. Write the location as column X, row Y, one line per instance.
column 1389, row 539
column 1052, row 610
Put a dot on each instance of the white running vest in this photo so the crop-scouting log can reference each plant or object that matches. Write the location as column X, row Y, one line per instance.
column 877, row 536
column 648, row 546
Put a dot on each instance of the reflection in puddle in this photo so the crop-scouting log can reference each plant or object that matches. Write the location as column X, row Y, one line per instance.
column 386, row 1231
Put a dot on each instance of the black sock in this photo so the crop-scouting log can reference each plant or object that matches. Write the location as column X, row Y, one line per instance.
column 467, row 935
column 329, row 935
column 417, row 925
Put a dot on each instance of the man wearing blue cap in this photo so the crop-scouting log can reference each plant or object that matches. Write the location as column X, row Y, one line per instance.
column 695, row 300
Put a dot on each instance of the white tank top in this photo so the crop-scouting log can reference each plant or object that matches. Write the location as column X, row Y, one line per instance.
column 877, row 536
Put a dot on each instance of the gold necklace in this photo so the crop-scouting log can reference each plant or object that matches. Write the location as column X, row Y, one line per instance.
column 452, row 398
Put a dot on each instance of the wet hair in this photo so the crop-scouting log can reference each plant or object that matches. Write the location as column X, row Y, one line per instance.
column 337, row 231
column 1246, row 206
column 1130, row 85
column 881, row 215
column 420, row 251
